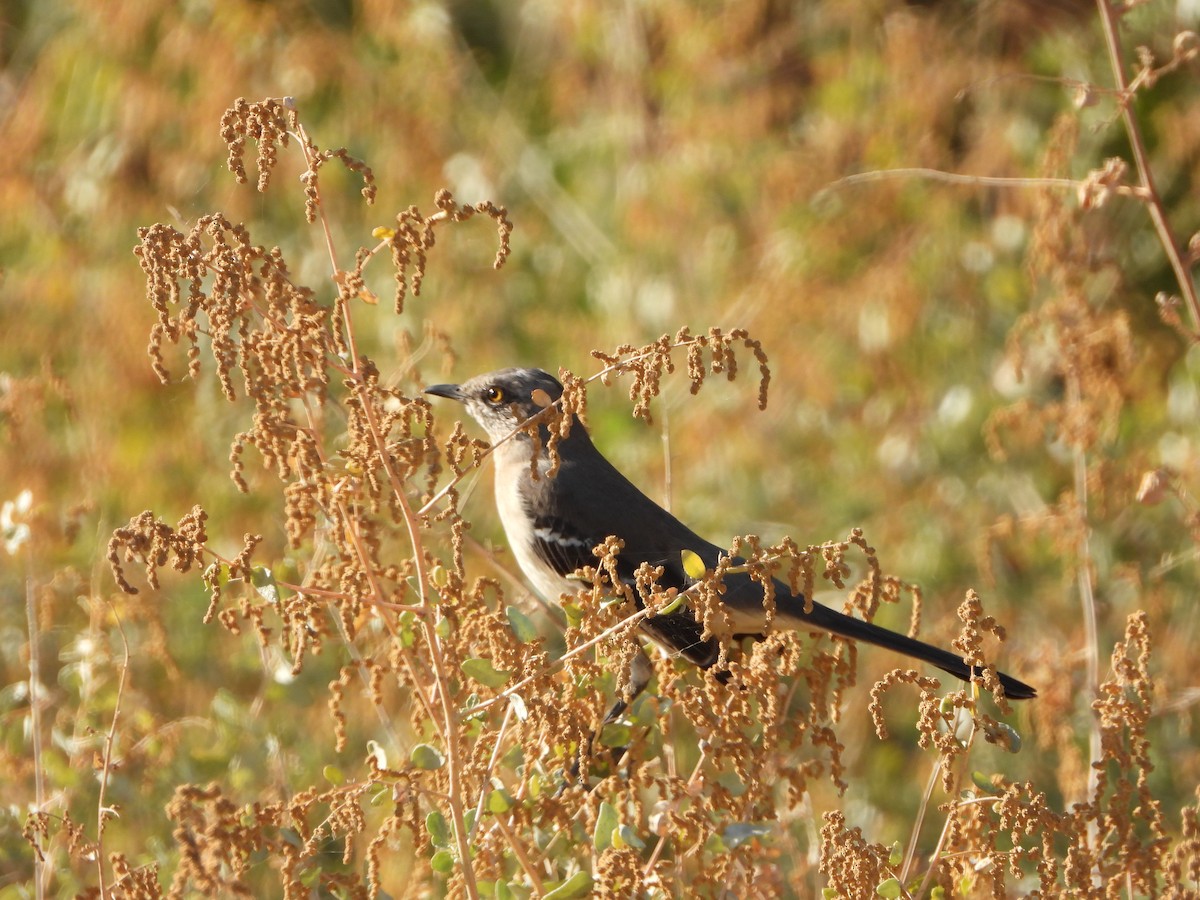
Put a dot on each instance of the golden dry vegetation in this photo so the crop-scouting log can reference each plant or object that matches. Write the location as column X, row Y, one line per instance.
column 902, row 294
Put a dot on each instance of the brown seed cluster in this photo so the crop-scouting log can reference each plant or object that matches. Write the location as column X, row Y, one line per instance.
column 414, row 235
column 648, row 364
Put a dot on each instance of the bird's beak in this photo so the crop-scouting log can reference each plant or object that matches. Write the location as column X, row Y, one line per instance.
column 450, row 391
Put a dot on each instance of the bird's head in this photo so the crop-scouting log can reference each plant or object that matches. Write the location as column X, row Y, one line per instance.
column 501, row 401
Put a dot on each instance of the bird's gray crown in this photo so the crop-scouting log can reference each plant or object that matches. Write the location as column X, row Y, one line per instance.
column 500, row 401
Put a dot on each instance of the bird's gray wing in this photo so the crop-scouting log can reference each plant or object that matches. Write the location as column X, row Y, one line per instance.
column 650, row 533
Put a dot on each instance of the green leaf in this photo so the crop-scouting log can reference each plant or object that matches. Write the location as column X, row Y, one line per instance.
column 333, row 775
column 630, row 837
column 732, row 783
column 407, row 620
column 513, row 890
column 644, row 710
column 310, row 878
column 673, row 605
column 442, row 862
column 485, row 673
column 889, row 888
column 442, row 628
column 983, row 783
column 415, row 586
column 216, row 573
column 264, row 582
column 1008, row 738
column 573, row 613
column 895, row 855
column 521, row 625
column 514, row 758
column 693, row 565
column 577, row 885
column 499, row 801
column 612, row 600
column 607, row 822
column 616, row 734
column 288, row 569
column 425, row 756
column 439, row 829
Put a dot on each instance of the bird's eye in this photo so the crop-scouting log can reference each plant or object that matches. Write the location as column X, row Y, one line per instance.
column 494, row 395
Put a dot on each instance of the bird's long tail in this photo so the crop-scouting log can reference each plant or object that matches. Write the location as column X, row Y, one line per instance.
column 790, row 612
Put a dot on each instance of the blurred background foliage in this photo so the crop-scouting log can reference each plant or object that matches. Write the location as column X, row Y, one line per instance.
column 665, row 163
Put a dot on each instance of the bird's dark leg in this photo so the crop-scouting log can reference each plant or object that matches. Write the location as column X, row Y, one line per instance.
column 641, row 670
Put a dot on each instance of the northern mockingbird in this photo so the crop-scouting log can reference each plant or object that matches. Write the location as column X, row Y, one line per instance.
column 553, row 523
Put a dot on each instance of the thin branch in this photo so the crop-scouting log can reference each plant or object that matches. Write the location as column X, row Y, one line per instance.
column 972, row 180
column 522, row 857
column 1158, row 215
column 937, row 852
column 106, row 767
column 910, row 852
column 1087, row 596
column 311, row 170
column 35, row 721
column 483, row 789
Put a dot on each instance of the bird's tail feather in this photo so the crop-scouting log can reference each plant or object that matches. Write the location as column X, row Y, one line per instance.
column 822, row 618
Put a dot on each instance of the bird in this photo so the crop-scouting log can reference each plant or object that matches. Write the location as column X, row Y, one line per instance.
column 553, row 522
